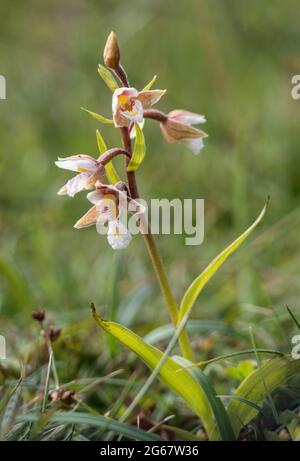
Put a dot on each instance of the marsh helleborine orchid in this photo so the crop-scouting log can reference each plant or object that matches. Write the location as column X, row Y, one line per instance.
column 129, row 107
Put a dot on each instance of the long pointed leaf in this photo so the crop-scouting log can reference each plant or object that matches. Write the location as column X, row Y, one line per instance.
column 199, row 283
column 98, row 117
column 171, row 373
column 222, row 419
column 150, row 84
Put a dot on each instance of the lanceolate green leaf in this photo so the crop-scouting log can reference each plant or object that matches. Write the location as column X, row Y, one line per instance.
column 100, row 142
column 139, row 150
column 199, row 283
column 222, row 420
column 107, row 77
column 171, row 373
column 150, row 84
column 99, row 117
column 110, row 170
column 276, row 372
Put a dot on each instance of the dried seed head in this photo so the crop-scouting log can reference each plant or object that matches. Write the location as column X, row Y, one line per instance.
column 54, row 333
column 62, row 395
column 38, row 315
column 111, row 54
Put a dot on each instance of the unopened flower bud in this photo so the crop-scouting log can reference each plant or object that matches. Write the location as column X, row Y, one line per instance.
column 111, row 54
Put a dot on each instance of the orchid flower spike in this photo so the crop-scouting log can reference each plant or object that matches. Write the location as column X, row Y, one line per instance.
column 128, row 104
column 90, row 170
column 178, row 128
column 109, row 203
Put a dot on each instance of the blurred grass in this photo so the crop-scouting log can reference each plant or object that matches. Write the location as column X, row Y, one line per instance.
column 227, row 60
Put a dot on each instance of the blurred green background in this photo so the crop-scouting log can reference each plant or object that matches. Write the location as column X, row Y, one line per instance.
column 232, row 61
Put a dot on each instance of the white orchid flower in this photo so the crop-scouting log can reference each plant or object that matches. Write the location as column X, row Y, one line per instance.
column 128, row 104
column 109, row 201
column 89, row 170
column 178, row 128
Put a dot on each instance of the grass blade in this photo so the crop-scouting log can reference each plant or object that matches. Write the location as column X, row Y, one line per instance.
column 95, row 421
column 241, row 399
column 276, row 372
column 293, row 317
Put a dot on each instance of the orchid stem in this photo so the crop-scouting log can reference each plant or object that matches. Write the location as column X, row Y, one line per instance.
column 155, row 256
column 167, row 293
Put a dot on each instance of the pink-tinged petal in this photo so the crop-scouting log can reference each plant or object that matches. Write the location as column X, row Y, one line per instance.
column 118, row 235
column 184, row 116
column 150, row 97
column 95, row 177
column 195, row 145
column 128, row 92
column 95, row 196
column 107, row 209
column 88, row 219
column 76, row 184
column 79, row 163
column 136, row 112
column 177, row 131
column 63, row 190
column 102, row 190
column 119, row 119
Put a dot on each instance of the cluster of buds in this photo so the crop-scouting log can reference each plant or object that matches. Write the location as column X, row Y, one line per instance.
column 130, row 108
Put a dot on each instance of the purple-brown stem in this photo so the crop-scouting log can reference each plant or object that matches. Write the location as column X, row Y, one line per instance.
column 112, row 153
column 155, row 115
column 122, row 75
column 130, row 174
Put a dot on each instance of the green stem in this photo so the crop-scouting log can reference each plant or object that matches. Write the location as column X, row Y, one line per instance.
column 167, row 293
